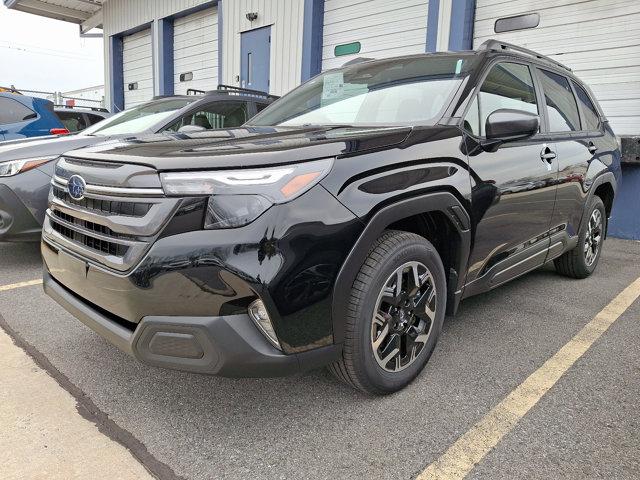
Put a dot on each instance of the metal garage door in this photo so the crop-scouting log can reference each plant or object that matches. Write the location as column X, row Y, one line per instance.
column 598, row 39
column 195, row 51
column 137, row 68
column 383, row 28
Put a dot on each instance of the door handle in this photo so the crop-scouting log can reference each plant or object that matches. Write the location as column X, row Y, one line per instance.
column 547, row 155
column 592, row 148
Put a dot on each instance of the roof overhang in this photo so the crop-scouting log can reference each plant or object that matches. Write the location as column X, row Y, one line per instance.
column 86, row 13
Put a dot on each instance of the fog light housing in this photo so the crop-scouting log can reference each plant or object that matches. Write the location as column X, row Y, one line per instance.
column 260, row 316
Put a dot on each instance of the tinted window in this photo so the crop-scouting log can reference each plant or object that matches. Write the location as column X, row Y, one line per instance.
column 12, row 111
column 508, row 85
column 590, row 116
column 261, row 106
column 562, row 109
column 94, row 118
column 215, row 115
column 72, row 121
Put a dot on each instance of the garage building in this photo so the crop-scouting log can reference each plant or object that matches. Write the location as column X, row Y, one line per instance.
column 170, row 46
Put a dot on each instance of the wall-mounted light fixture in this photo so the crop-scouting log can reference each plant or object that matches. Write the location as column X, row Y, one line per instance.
column 251, row 16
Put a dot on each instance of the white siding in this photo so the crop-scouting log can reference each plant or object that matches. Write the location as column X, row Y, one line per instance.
column 285, row 18
column 383, row 28
column 598, row 39
column 137, row 67
column 123, row 15
column 195, row 50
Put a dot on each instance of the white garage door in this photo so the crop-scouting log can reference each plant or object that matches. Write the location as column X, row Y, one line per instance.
column 137, row 68
column 598, row 39
column 195, row 51
column 383, row 28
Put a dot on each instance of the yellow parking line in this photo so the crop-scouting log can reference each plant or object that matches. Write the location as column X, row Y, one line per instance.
column 476, row 443
column 12, row 286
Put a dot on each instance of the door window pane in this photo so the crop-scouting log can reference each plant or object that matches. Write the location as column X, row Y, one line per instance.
column 72, row 121
column 562, row 108
column 215, row 115
column 508, row 85
column 12, row 111
column 590, row 116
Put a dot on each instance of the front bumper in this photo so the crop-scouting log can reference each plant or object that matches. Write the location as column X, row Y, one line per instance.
column 219, row 345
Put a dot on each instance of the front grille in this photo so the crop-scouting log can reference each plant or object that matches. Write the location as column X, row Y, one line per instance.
column 93, row 243
column 113, row 207
column 115, row 223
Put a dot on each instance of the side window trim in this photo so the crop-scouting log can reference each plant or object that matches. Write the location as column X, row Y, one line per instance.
column 537, row 90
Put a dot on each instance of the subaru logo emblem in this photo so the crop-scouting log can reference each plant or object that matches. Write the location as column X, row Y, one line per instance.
column 76, row 187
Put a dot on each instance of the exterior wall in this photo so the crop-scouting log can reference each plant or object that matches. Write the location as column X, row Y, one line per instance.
column 598, row 39
column 123, row 15
column 383, row 28
column 286, row 19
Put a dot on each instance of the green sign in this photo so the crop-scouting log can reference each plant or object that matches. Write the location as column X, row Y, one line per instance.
column 347, row 49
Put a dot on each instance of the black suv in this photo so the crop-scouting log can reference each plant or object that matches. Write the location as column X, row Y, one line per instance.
column 340, row 224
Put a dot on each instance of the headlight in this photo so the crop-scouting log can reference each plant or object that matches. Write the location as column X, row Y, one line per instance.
column 237, row 197
column 13, row 167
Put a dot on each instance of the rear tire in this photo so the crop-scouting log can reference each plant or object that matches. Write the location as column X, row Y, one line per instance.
column 583, row 259
column 382, row 318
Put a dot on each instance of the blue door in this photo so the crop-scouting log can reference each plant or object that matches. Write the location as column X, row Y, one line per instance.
column 255, row 48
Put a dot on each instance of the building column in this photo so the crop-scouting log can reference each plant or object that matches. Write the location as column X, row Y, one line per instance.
column 163, row 55
column 116, row 82
column 450, row 25
column 312, row 38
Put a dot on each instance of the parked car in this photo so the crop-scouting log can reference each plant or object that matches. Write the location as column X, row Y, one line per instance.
column 26, row 166
column 75, row 119
column 340, row 224
column 22, row 117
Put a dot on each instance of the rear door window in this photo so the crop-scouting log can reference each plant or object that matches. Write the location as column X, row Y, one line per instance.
column 214, row 115
column 590, row 116
column 72, row 121
column 93, row 118
column 508, row 85
column 12, row 111
column 562, row 109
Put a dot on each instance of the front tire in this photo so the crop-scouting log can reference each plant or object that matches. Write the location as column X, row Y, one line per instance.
column 394, row 314
column 581, row 261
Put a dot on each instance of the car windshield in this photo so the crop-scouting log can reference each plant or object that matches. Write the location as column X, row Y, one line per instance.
column 139, row 118
column 404, row 91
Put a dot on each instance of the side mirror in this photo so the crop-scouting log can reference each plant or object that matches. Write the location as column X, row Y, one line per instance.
column 191, row 129
column 507, row 124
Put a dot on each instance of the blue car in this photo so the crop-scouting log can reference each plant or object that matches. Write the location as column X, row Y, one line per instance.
column 22, row 116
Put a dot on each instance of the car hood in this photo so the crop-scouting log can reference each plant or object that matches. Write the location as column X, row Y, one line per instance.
column 244, row 147
column 44, row 146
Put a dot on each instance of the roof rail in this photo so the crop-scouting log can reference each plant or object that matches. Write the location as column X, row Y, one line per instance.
column 95, row 109
column 493, row 44
column 232, row 89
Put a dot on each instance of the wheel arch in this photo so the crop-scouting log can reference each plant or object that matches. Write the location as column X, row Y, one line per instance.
column 604, row 186
column 432, row 207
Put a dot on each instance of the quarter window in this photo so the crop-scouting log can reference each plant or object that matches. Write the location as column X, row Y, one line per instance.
column 590, row 116
column 508, row 85
column 12, row 111
column 562, row 109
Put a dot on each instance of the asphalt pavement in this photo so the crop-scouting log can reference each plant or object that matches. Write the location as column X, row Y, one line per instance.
column 312, row 426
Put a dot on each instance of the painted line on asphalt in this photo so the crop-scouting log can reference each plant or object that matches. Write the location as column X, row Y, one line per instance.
column 461, row 457
column 13, row 286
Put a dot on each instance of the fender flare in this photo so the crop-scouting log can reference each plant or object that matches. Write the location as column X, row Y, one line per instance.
column 606, row 177
column 444, row 202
